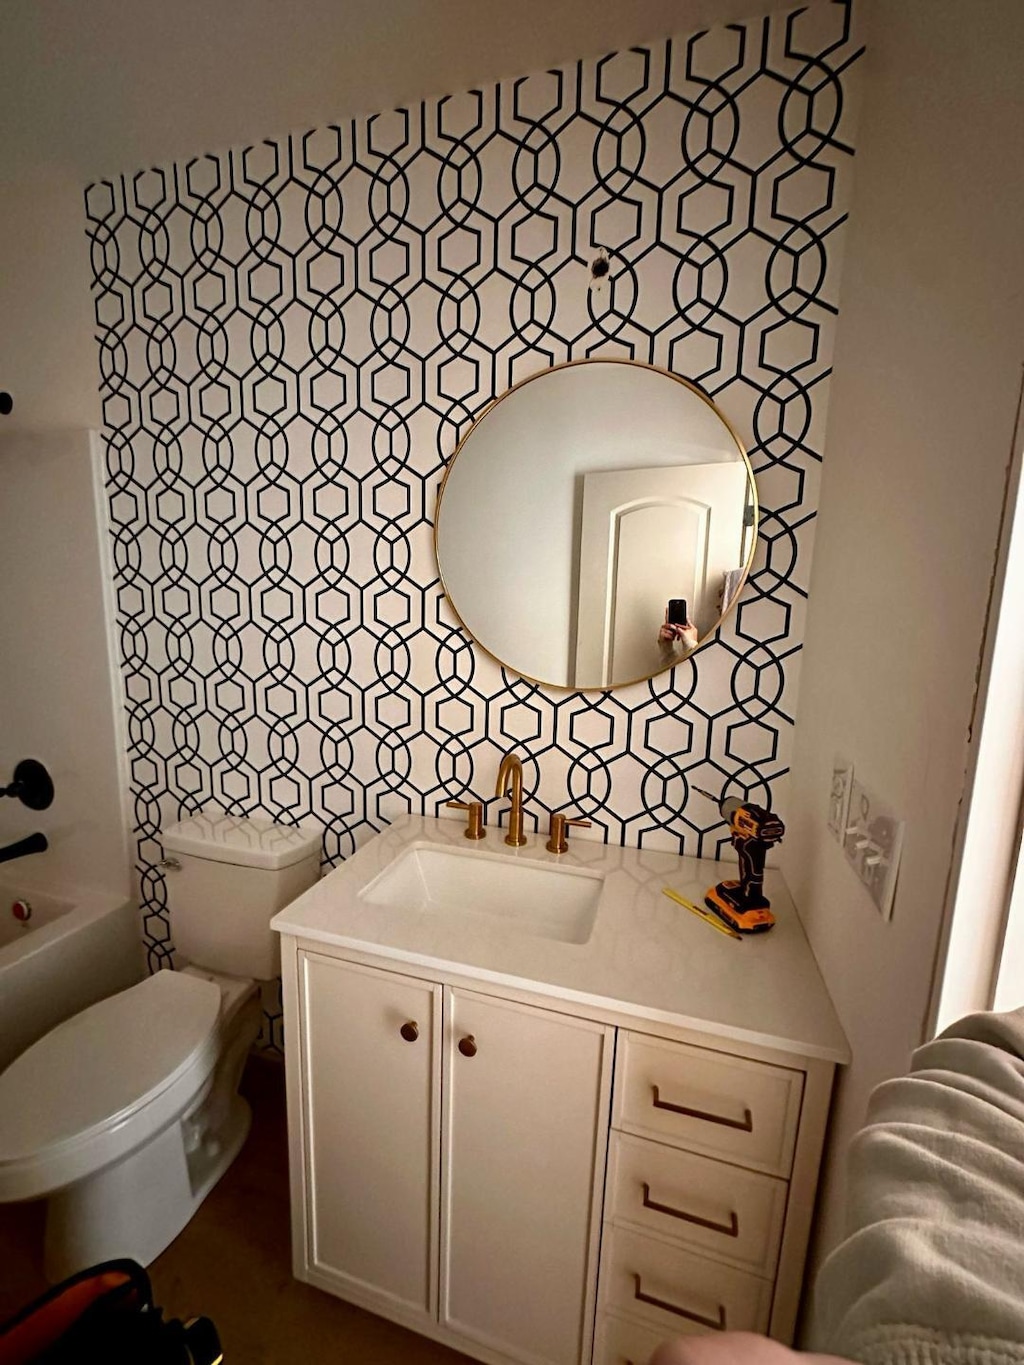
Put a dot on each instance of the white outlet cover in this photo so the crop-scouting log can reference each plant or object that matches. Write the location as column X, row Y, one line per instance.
column 839, row 797
column 873, row 842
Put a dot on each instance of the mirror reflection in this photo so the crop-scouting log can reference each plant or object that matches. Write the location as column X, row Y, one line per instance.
column 595, row 524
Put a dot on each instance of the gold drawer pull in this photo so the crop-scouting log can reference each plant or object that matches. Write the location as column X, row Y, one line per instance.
column 717, row 1325
column 745, row 1125
column 730, row 1229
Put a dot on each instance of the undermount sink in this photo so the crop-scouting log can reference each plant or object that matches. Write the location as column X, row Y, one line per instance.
column 531, row 898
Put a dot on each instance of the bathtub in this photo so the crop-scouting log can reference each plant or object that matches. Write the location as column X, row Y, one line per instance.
column 75, row 948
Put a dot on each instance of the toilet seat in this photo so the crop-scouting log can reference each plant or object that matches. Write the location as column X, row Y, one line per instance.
column 105, row 1081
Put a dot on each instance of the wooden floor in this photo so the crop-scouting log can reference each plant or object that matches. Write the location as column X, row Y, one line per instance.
column 233, row 1264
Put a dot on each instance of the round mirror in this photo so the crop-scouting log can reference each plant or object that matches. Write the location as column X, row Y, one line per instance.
column 596, row 523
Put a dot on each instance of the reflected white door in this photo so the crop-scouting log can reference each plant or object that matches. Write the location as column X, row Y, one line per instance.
column 649, row 535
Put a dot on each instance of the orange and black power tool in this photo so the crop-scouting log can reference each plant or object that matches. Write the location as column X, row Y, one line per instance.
column 743, row 904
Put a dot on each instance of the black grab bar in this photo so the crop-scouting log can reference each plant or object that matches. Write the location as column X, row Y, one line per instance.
column 32, row 843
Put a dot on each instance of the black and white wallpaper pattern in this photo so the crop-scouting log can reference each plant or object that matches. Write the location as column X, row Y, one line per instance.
column 292, row 337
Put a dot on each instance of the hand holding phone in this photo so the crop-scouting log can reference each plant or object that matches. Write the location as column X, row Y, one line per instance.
column 678, row 629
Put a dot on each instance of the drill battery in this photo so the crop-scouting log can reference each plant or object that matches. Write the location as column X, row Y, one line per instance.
column 725, row 900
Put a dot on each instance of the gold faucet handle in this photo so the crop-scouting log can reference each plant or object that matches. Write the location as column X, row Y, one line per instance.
column 474, row 817
column 558, row 838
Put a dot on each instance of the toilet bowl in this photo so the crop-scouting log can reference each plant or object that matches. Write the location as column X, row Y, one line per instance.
column 126, row 1115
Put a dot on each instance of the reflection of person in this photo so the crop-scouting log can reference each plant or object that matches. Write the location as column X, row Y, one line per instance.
column 676, row 640
column 930, row 1268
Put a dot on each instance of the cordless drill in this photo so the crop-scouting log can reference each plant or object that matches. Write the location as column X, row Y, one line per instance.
column 743, row 904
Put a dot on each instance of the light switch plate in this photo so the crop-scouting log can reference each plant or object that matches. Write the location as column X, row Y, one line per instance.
column 872, row 842
column 839, row 797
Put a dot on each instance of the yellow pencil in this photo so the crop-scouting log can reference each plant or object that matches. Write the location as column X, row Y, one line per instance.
column 706, row 916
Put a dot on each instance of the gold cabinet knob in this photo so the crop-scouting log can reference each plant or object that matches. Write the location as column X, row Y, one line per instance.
column 467, row 1046
column 410, row 1031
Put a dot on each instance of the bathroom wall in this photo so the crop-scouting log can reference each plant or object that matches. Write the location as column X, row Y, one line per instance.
column 59, row 701
column 921, row 424
column 47, row 355
column 292, row 336
column 87, row 90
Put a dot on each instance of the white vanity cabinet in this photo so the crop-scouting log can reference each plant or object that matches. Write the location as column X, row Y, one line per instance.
column 545, row 1147
column 525, row 1104
column 370, row 1112
column 447, row 1157
column 710, row 1183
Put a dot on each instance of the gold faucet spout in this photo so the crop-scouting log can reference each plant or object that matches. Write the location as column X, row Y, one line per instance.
column 510, row 783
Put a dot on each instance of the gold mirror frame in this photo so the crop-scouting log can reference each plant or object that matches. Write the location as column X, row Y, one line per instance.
column 751, row 483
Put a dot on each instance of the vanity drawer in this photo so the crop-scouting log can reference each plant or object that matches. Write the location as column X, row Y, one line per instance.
column 705, row 1101
column 705, row 1204
column 619, row 1341
column 679, row 1291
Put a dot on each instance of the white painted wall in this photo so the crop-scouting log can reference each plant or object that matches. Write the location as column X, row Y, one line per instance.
column 47, row 353
column 108, row 86
column 57, row 699
column 95, row 90
column 927, row 367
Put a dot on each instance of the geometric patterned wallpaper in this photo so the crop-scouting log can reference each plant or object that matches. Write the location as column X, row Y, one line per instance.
column 292, row 337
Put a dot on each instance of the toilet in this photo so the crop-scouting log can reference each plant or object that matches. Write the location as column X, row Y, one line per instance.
column 126, row 1115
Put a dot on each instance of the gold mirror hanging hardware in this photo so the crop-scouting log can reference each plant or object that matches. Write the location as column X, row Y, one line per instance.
column 558, row 838
column 474, row 817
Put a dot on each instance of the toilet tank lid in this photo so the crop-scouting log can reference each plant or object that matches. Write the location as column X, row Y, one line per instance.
column 255, row 842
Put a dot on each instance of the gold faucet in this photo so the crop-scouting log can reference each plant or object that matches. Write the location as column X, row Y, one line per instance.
column 510, row 781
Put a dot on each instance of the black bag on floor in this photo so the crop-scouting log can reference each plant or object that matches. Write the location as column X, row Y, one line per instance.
column 105, row 1313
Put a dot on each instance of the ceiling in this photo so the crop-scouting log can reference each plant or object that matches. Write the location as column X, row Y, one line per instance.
column 101, row 86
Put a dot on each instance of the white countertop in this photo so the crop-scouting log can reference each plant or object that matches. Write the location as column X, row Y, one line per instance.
column 647, row 957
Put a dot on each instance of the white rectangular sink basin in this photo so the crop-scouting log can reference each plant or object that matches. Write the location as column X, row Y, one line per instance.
column 531, row 898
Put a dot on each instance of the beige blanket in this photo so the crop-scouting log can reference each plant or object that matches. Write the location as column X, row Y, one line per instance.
column 932, row 1269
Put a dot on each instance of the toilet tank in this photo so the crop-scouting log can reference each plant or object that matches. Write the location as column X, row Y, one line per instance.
column 232, row 877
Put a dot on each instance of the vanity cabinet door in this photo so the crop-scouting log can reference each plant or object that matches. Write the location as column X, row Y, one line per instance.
column 524, row 1139
column 370, row 1046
